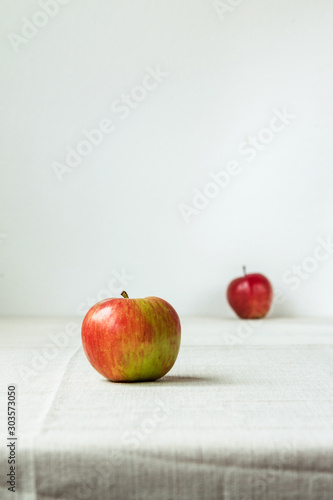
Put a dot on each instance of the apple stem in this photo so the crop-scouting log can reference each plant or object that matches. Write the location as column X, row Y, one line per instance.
column 124, row 294
column 244, row 270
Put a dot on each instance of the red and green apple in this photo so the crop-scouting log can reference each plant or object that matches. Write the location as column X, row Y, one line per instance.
column 131, row 340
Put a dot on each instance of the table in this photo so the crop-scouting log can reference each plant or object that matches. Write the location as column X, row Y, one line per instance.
column 246, row 413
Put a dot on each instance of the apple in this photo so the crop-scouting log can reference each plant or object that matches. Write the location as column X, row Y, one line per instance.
column 131, row 340
column 250, row 296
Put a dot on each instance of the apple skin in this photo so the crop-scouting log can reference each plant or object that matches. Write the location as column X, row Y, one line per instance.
column 131, row 340
column 250, row 296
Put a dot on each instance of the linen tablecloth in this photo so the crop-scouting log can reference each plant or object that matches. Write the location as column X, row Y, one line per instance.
column 246, row 413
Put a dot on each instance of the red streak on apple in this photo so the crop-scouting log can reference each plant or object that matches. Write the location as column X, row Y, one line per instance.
column 131, row 340
column 250, row 296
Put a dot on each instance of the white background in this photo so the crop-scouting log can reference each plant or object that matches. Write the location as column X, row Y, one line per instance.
column 61, row 243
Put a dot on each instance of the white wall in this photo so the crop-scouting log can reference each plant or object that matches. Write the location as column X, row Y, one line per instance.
column 119, row 209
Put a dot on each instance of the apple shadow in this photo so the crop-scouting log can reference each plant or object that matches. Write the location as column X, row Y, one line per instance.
column 188, row 379
column 176, row 380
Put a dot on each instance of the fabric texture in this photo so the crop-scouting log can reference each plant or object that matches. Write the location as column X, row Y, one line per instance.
column 245, row 414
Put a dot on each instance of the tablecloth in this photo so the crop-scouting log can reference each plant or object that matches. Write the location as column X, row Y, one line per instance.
column 246, row 413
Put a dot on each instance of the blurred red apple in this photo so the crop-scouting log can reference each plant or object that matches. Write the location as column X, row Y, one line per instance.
column 250, row 296
column 131, row 340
